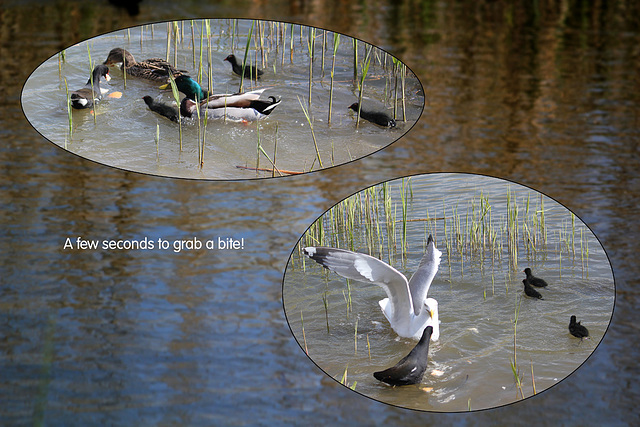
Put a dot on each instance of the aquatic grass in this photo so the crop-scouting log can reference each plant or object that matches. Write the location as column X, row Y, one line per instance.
column 355, row 59
column 176, row 39
column 533, row 380
column 291, row 44
column 93, row 98
column 403, row 75
column 304, row 336
column 69, row 108
column 313, row 135
column 244, row 59
column 275, row 151
column 343, row 380
column 514, row 361
column 310, row 47
column 336, row 43
column 324, row 48
column 176, row 97
column 363, row 76
column 325, row 302
column 260, row 149
column 157, row 141
column 168, row 52
column 62, row 58
column 355, row 339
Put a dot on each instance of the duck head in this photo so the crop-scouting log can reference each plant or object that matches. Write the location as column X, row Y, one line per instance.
column 99, row 72
column 188, row 107
column 191, row 88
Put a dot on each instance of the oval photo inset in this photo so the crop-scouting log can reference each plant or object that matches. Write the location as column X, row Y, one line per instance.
column 468, row 238
column 294, row 108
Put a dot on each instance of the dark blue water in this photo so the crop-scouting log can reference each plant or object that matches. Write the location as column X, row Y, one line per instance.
column 544, row 95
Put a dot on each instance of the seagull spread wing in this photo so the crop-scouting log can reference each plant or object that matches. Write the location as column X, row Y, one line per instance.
column 421, row 279
column 365, row 268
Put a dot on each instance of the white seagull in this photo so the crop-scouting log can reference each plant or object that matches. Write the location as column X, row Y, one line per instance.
column 407, row 307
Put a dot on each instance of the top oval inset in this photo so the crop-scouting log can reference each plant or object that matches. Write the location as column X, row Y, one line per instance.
column 297, row 116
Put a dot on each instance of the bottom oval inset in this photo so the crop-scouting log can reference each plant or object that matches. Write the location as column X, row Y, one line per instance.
column 497, row 336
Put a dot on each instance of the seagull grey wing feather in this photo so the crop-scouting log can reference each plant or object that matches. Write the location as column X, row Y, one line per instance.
column 421, row 279
column 364, row 268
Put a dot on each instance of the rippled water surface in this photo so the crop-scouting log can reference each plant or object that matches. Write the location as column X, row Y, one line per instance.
column 541, row 94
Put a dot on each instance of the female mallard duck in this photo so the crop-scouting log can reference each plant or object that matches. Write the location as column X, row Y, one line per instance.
column 155, row 69
column 84, row 98
column 249, row 70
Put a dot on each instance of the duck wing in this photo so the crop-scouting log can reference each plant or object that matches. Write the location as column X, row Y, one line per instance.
column 242, row 100
column 365, row 268
column 421, row 279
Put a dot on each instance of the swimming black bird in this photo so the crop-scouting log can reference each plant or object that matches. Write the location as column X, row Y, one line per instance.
column 83, row 98
column 576, row 329
column 379, row 118
column 410, row 369
column 535, row 281
column 529, row 291
column 166, row 110
column 250, row 71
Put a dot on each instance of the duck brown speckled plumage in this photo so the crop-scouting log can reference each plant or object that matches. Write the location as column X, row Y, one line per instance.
column 155, row 69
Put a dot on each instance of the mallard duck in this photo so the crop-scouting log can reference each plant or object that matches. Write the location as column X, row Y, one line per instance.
column 250, row 71
column 155, row 69
column 236, row 107
column 379, row 118
column 254, row 109
column 84, row 98
column 167, row 110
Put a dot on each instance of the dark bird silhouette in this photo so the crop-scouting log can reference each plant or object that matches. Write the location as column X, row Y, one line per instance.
column 410, row 369
column 250, row 71
column 535, row 281
column 529, row 291
column 166, row 110
column 377, row 117
column 576, row 329
column 84, row 98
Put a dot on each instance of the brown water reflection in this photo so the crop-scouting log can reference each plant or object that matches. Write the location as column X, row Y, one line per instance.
column 544, row 94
